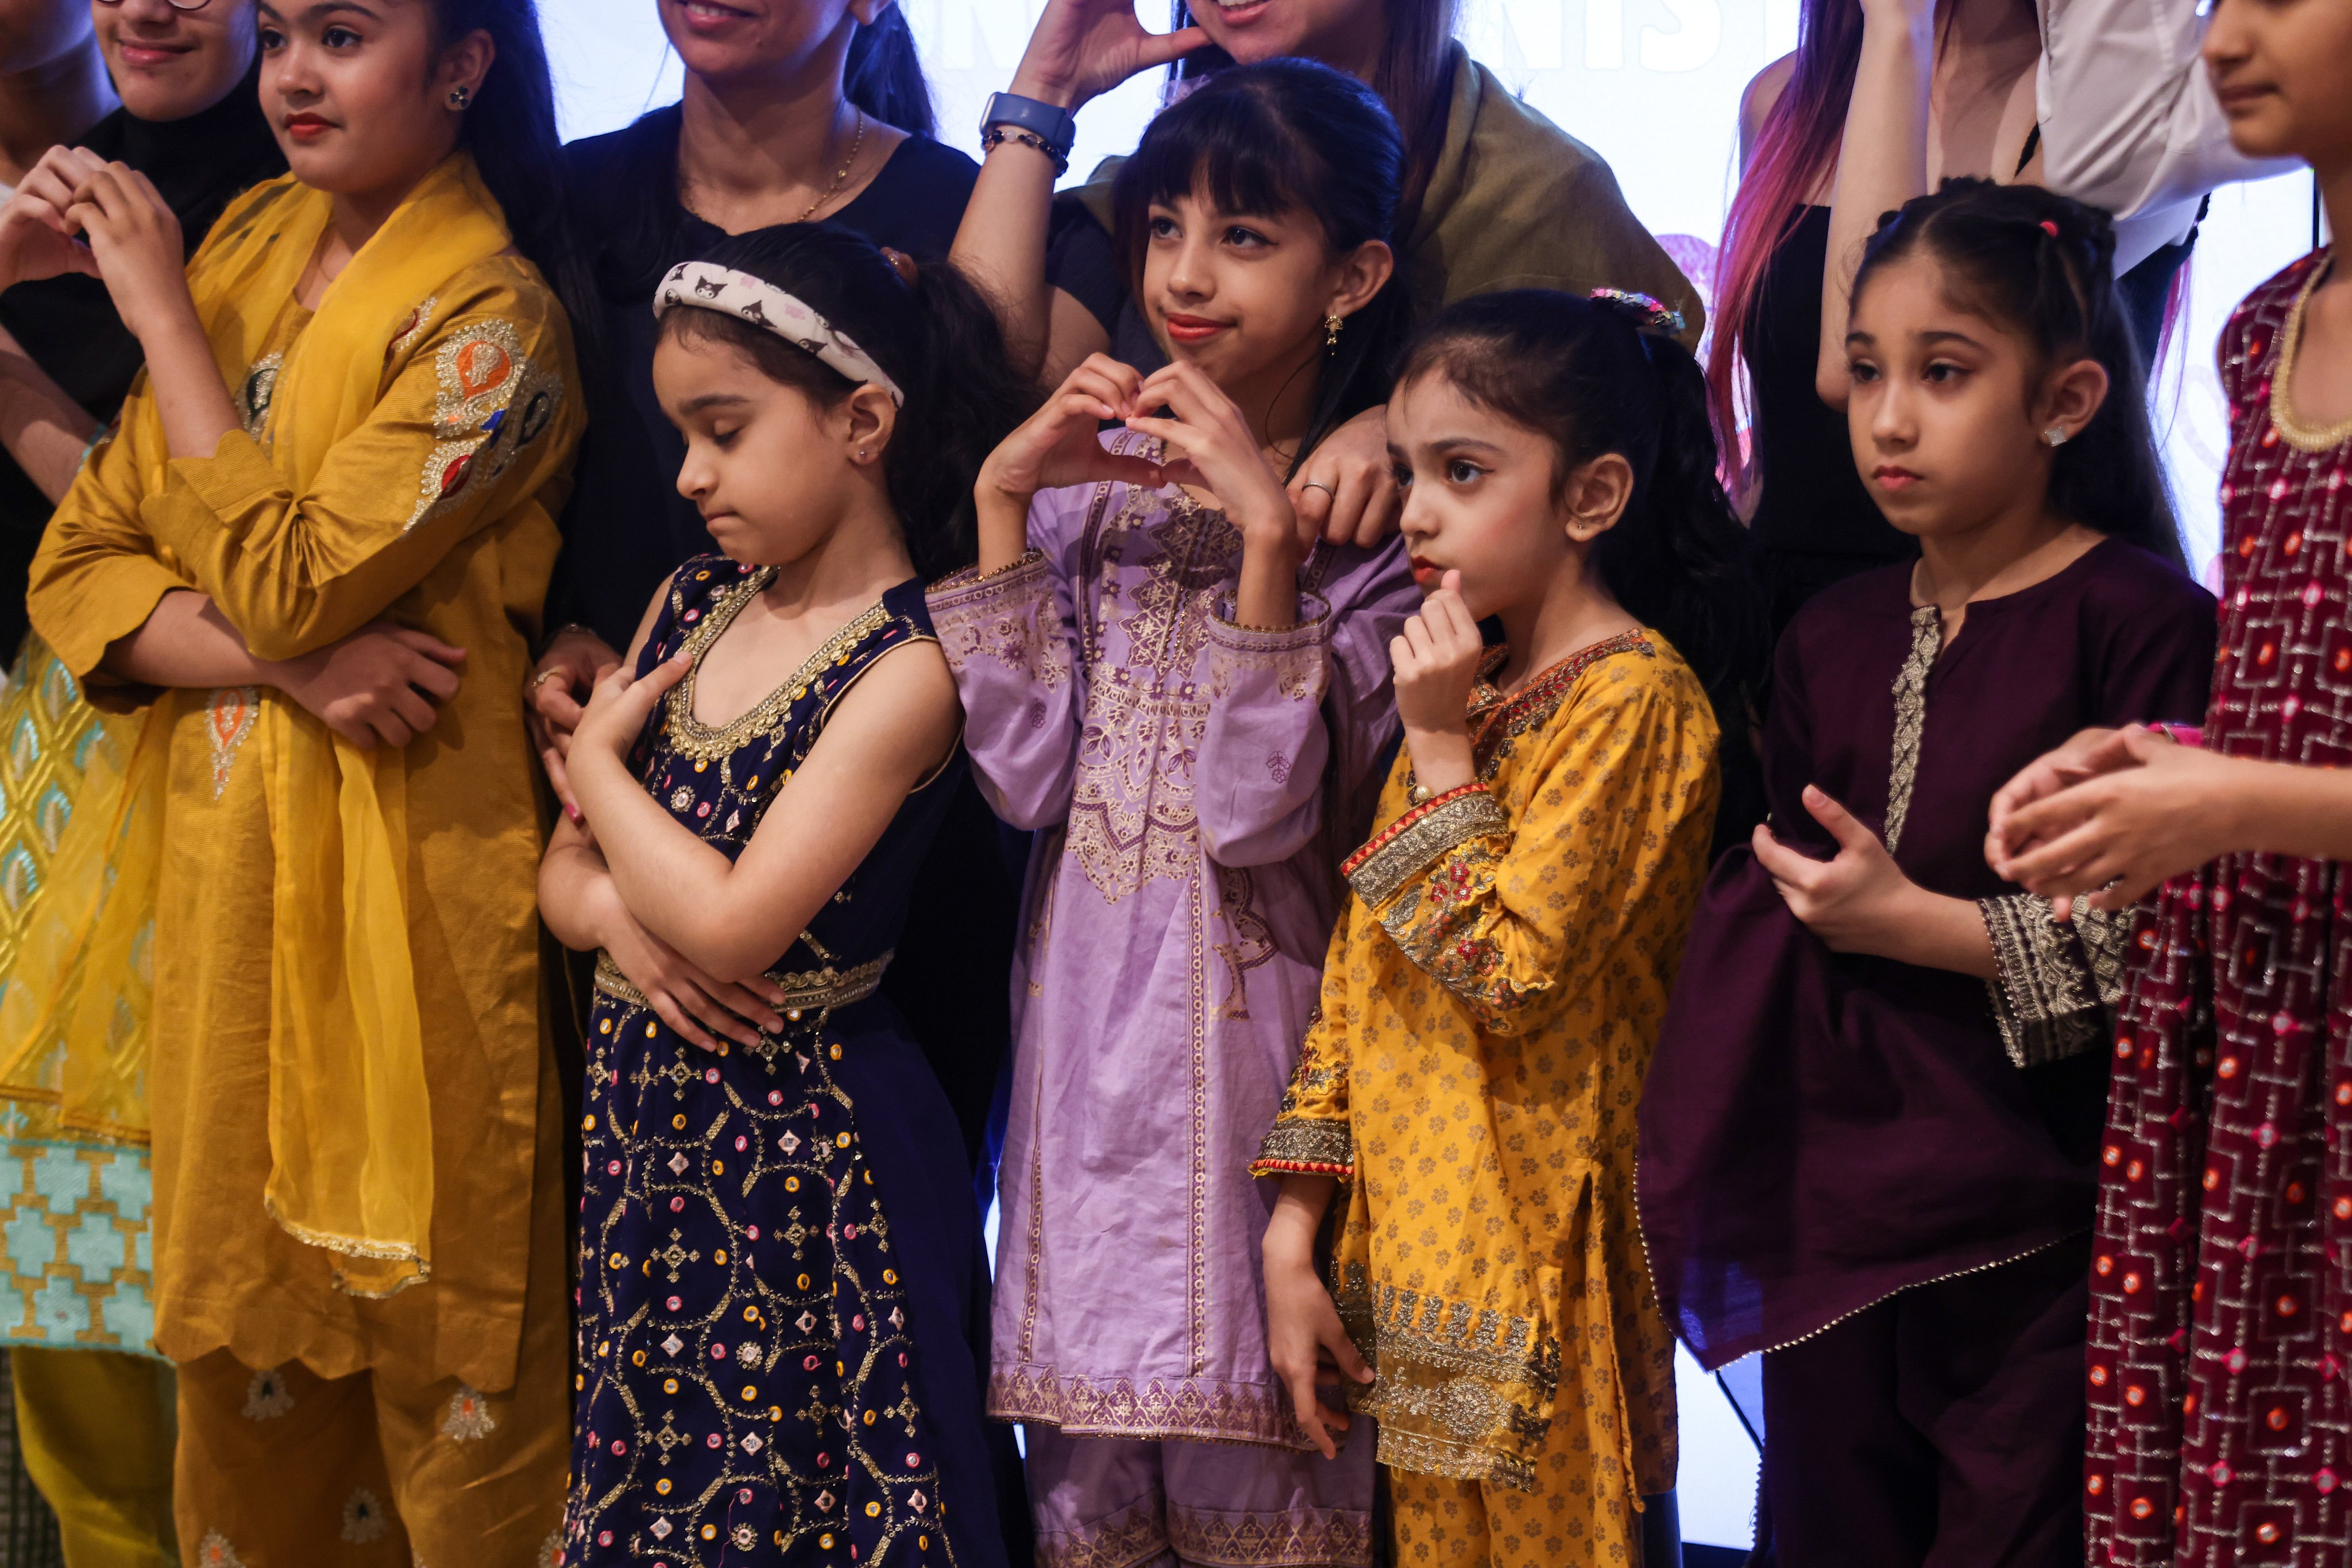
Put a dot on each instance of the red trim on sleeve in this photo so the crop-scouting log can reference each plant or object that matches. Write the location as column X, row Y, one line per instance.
column 1387, row 835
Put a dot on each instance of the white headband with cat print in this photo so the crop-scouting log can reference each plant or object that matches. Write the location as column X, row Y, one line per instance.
column 705, row 287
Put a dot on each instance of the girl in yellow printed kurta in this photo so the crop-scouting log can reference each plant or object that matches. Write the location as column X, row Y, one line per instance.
column 310, row 564
column 1494, row 986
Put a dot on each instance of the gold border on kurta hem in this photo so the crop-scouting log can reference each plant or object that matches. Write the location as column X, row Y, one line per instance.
column 1427, row 1456
column 1454, row 1336
column 1484, row 1379
column 1197, row 1408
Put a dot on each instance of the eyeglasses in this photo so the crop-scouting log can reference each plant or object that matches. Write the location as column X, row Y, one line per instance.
column 175, row 4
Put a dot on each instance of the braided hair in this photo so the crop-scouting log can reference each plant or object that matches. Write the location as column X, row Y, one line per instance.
column 2044, row 267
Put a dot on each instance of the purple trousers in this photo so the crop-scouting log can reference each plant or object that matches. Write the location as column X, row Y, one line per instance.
column 1125, row 1502
column 1942, row 1427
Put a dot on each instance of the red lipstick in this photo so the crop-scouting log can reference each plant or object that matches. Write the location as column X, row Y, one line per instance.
column 1185, row 329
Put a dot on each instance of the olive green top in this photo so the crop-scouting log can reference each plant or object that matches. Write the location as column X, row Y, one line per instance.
column 1514, row 201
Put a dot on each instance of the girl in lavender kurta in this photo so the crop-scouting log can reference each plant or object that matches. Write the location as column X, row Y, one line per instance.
column 1189, row 701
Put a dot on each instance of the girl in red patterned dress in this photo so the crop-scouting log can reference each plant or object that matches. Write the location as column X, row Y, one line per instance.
column 2221, row 1288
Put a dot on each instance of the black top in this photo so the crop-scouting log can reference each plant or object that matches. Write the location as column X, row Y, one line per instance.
column 1815, row 519
column 1082, row 261
column 626, row 528
column 67, row 325
column 1813, row 502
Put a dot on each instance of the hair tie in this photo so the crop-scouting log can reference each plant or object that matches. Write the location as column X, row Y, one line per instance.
column 2050, row 228
column 704, row 285
column 1655, row 316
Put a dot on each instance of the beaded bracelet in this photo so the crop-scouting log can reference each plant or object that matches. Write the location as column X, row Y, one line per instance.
column 998, row 135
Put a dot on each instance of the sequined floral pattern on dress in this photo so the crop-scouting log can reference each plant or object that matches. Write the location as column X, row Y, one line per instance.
column 748, row 1366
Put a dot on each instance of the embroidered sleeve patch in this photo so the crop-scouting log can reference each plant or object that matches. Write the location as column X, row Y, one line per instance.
column 492, row 402
column 1418, row 839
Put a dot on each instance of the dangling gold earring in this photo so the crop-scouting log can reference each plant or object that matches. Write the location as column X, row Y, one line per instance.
column 1331, row 333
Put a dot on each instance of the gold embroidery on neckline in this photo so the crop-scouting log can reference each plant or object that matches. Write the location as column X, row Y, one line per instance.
column 689, row 736
column 2302, row 437
column 1911, row 717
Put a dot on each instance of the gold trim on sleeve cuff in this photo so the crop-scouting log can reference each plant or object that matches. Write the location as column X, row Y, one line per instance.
column 1308, row 1147
column 2044, row 1001
column 1408, row 846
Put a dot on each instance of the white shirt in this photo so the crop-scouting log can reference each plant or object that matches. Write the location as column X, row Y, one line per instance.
column 2129, row 121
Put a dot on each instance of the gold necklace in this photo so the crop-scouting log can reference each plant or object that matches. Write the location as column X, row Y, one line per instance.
column 855, row 143
column 2301, row 436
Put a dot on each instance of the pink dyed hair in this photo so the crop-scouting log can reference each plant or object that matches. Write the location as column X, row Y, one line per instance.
column 1794, row 147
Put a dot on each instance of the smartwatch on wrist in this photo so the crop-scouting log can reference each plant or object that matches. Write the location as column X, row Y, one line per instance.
column 1057, row 127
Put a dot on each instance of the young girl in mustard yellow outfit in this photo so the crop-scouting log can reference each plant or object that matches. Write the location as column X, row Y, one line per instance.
column 1496, row 981
column 311, row 562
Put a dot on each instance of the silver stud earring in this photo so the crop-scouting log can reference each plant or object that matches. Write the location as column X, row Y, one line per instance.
column 2057, row 435
column 459, row 97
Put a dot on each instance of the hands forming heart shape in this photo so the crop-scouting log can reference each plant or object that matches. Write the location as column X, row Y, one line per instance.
column 77, row 213
column 1205, row 443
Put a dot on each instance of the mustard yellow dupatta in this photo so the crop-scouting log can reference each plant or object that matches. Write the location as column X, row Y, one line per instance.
column 350, row 1116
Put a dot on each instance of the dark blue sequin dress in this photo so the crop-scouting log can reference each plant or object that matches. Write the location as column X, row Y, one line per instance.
column 780, row 1263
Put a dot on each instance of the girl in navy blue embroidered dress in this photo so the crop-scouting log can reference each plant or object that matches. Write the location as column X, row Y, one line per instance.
column 781, row 1268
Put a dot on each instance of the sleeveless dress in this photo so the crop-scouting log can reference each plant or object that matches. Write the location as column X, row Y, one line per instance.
column 781, row 1260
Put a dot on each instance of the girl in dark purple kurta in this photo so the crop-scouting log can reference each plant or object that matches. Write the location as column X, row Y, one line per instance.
column 1869, row 1134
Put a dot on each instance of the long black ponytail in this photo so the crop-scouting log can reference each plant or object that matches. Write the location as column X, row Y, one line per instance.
column 936, row 336
column 2045, row 266
column 510, row 127
column 884, row 76
column 1604, row 375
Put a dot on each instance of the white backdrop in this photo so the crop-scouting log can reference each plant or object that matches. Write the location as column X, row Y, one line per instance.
column 1653, row 85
